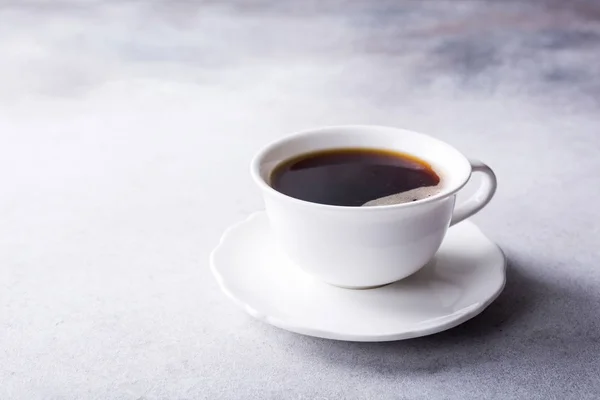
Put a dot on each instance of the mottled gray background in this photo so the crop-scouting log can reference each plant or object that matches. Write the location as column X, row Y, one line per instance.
column 126, row 128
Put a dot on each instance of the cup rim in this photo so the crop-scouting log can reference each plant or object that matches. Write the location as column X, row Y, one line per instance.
column 256, row 163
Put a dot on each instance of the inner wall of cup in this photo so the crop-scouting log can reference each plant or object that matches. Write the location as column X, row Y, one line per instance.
column 447, row 162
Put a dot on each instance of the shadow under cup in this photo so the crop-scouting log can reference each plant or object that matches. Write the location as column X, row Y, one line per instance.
column 361, row 247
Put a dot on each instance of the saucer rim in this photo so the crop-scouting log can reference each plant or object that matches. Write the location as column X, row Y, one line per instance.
column 428, row 327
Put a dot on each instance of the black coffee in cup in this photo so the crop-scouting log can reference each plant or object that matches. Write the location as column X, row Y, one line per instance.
column 354, row 176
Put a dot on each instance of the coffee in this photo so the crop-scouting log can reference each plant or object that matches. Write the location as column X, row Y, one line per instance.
column 355, row 176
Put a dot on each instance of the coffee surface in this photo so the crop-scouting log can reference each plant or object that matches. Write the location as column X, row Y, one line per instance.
column 354, row 176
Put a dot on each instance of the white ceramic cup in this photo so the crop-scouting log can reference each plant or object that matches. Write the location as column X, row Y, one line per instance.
column 362, row 247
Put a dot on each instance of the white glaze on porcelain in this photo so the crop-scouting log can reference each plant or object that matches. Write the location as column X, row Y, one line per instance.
column 358, row 247
column 466, row 275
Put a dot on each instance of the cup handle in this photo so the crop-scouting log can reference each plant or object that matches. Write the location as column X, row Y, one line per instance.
column 481, row 197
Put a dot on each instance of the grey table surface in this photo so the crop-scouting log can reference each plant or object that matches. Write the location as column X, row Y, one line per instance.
column 126, row 128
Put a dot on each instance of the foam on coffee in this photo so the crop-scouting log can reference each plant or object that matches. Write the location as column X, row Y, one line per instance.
column 406, row 197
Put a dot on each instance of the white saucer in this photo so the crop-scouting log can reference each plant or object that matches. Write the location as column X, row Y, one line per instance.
column 466, row 275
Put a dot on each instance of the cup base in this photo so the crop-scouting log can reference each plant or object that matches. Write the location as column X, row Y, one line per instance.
column 360, row 287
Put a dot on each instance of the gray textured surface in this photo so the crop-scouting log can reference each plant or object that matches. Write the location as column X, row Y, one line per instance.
column 126, row 128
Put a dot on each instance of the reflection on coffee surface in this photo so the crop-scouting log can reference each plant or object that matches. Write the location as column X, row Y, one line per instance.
column 354, row 176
